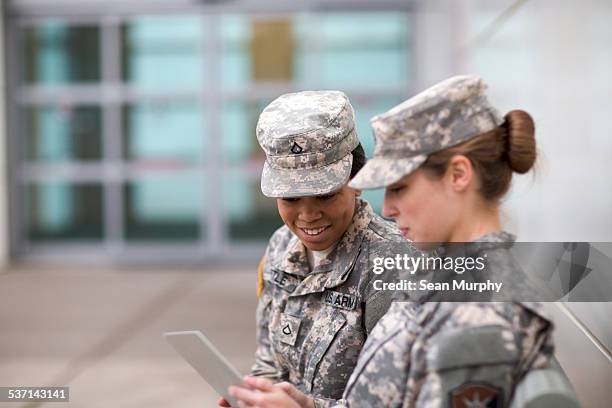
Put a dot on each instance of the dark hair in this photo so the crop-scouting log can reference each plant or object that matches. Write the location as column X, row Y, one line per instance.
column 359, row 160
column 511, row 147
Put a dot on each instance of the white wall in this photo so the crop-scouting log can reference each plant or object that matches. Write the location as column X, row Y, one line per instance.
column 553, row 58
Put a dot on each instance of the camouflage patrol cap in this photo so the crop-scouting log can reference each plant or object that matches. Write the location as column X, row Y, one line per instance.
column 308, row 138
column 447, row 114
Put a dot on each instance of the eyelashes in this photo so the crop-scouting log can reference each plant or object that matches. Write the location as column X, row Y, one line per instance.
column 397, row 189
column 326, row 197
column 320, row 197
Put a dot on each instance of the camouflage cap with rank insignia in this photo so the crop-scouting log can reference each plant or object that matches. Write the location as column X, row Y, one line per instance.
column 308, row 138
column 447, row 114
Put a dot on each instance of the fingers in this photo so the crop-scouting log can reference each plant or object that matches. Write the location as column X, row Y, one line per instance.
column 298, row 396
column 259, row 383
column 285, row 386
column 263, row 393
column 290, row 389
column 245, row 396
column 245, row 405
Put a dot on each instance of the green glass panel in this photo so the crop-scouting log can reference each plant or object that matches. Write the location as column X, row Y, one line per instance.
column 354, row 50
column 164, row 133
column 57, row 134
column 164, row 52
column 64, row 211
column 238, row 140
column 56, row 53
column 250, row 215
column 164, row 206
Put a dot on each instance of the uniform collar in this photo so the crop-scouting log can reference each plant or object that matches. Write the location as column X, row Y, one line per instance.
column 488, row 242
column 334, row 269
column 493, row 240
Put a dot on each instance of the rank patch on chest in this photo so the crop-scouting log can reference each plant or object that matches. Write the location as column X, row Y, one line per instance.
column 476, row 394
column 341, row 300
column 288, row 329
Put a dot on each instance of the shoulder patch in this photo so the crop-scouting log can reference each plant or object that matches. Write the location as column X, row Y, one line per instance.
column 260, row 280
column 475, row 394
column 385, row 230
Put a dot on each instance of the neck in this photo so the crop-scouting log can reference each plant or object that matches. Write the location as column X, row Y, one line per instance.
column 476, row 223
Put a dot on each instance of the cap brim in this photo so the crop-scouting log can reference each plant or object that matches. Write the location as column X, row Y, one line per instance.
column 287, row 183
column 380, row 172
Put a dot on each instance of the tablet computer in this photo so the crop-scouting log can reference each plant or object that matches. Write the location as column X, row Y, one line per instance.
column 204, row 357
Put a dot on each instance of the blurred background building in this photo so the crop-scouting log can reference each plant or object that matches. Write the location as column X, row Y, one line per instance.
column 127, row 127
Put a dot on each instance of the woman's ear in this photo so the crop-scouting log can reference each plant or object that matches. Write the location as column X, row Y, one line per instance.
column 459, row 173
column 357, row 193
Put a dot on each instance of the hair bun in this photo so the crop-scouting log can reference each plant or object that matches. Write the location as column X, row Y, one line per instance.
column 521, row 145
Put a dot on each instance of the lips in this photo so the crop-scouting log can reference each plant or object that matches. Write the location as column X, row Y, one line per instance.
column 404, row 231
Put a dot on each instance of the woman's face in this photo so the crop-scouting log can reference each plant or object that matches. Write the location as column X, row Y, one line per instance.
column 319, row 221
column 425, row 209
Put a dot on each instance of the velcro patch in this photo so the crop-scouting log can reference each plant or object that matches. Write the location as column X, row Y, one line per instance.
column 341, row 300
column 476, row 394
column 284, row 281
column 288, row 329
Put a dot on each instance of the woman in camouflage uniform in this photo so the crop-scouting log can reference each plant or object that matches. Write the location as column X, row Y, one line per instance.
column 446, row 158
column 316, row 305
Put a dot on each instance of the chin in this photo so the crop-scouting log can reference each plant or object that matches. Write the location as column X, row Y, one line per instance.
column 317, row 246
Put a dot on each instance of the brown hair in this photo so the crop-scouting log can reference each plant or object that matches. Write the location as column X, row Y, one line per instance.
column 494, row 154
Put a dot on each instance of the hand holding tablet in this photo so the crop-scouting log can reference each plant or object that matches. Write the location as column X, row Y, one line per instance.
column 204, row 357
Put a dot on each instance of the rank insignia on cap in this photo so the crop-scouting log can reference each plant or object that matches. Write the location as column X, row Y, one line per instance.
column 296, row 148
column 476, row 395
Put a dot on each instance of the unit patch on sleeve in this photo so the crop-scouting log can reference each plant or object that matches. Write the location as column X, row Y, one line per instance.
column 475, row 395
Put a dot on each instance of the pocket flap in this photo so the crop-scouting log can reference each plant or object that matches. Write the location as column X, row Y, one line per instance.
column 464, row 347
column 322, row 339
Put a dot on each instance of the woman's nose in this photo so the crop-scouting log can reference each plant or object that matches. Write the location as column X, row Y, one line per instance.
column 389, row 209
column 309, row 214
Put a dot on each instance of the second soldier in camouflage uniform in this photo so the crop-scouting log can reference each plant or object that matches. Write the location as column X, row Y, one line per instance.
column 314, row 317
column 443, row 354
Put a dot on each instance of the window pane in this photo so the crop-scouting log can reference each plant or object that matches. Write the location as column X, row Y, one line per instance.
column 235, row 60
column 164, row 133
column 63, row 211
column 55, row 134
column 354, row 50
column 164, row 207
column 238, row 139
column 337, row 50
column 56, row 53
column 256, row 50
column 162, row 52
column 250, row 214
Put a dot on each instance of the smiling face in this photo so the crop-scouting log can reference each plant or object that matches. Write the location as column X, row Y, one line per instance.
column 319, row 221
column 425, row 209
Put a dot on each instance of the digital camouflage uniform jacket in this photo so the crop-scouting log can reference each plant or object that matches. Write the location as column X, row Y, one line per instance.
column 451, row 354
column 311, row 325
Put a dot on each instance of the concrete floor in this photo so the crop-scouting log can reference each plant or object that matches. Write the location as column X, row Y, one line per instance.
column 100, row 332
